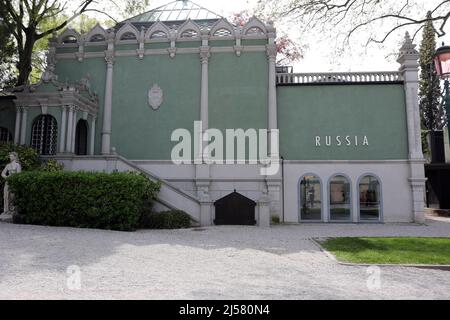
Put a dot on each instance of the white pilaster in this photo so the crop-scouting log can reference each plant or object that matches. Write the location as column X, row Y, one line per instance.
column 204, row 105
column 272, row 94
column 409, row 68
column 62, row 140
column 264, row 217
column 70, row 129
column 107, row 110
column 92, row 143
column 17, row 126
column 23, row 126
column 74, row 131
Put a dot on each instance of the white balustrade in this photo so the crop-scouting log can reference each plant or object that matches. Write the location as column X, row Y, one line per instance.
column 339, row 77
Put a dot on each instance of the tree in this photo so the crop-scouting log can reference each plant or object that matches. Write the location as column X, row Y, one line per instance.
column 432, row 111
column 6, row 58
column 29, row 21
column 375, row 19
column 287, row 49
column 23, row 19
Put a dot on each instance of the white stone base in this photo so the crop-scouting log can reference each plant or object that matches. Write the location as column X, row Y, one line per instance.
column 218, row 181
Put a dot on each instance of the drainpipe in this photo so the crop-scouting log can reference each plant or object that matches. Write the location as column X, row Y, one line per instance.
column 282, row 188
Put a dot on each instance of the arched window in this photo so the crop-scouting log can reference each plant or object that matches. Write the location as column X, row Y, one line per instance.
column 158, row 35
column 128, row 36
column 223, row 33
column 369, row 199
column 70, row 39
column 255, row 31
column 44, row 135
column 189, row 34
column 5, row 135
column 97, row 38
column 310, row 198
column 340, row 199
column 81, row 137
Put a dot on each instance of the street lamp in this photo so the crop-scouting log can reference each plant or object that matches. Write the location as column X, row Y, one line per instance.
column 442, row 63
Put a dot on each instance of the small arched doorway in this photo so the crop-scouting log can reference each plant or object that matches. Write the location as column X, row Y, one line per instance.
column 81, row 138
column 235, row 209
column 44, row 135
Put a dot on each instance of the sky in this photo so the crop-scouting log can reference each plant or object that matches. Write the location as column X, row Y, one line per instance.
column 319, row 53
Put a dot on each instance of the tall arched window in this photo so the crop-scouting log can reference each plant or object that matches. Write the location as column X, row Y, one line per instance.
column 44, row 135
column 310, row 198
column 369, row 199
column 81, row 137
column 340, row 199
column 5, row 135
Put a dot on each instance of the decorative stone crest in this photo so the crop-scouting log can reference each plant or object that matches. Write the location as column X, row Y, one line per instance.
column 155, row 97
column 49, row 73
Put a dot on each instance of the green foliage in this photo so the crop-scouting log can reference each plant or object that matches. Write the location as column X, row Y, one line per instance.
column 135, row 7
column 52, row 166
column 425, row 146
column 275, row 219
column 432, row 112
column 7, row 49
column 80, row 199
column 165, row 220
column 28, row 157
column 391, row 250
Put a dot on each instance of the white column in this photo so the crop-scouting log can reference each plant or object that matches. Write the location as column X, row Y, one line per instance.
column 62, row 140
column 107, row 110
column 92, row 143
column 409, row 68
column 69, row 129
column 204, row 97
column 17, row 127
column 74, row 131
column 23, row 126
column 272, row 95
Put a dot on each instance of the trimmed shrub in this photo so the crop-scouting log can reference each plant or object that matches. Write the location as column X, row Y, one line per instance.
column 28, row 158
column 165, row 220
column 81, row 199
column 275, row 219
column 51, row 166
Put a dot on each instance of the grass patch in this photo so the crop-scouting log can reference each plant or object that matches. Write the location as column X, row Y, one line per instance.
column 435, row 251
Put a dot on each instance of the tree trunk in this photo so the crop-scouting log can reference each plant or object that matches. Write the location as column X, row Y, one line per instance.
column 25, row 61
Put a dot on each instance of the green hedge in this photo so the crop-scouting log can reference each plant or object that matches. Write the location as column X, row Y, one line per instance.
column 165, row 220
column 81, row 199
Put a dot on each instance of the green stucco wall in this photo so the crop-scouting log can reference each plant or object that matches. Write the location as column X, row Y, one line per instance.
column 375, row 111
column 138, row 131
column 238, row 91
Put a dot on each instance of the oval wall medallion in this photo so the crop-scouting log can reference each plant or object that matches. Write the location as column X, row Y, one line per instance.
column 155, row 97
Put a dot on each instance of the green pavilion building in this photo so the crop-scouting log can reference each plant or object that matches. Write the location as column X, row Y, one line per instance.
column 110, row 100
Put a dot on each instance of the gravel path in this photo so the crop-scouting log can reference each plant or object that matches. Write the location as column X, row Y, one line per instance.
column 217, row 263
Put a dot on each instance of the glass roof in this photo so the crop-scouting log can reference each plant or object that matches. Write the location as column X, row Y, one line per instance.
column 180, row 10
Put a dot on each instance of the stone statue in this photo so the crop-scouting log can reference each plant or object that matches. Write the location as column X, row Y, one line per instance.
column 12, row 168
